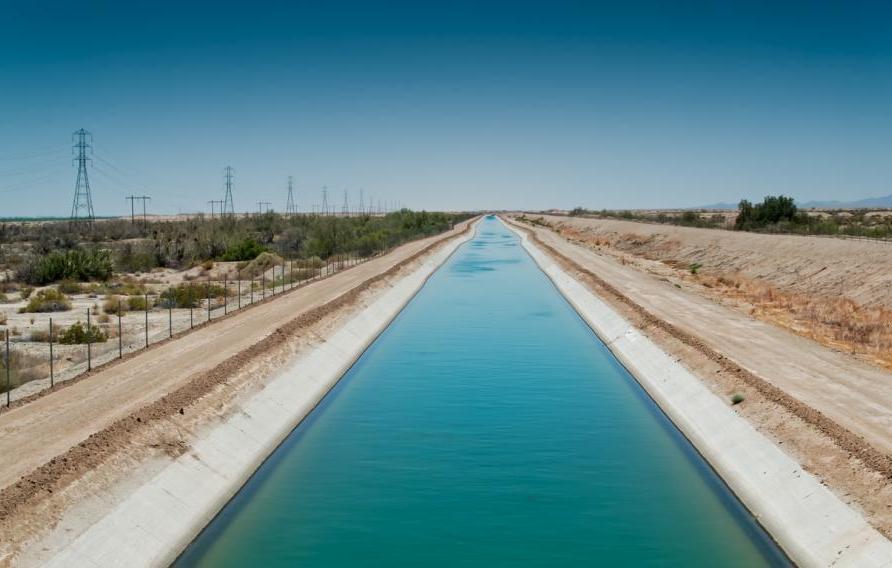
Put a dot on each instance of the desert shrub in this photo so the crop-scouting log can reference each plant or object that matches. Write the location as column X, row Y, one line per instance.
column 191, row 295
column 737, row 398
column 40, row 335
column 25, row 292
column 695, row 267
column 78, row 333
column 80, row 265
column 3, row 298
column 259, row 265
column 111, row 305
column 138, row 303
column 2, row 318
column 70, row 287
column 246, row 249
column 47, row 300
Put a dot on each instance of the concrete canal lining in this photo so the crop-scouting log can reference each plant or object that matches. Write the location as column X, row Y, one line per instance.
column 811, row 524
column 156, row 520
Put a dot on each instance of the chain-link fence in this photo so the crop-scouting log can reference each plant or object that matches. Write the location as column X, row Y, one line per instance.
column 50, row 352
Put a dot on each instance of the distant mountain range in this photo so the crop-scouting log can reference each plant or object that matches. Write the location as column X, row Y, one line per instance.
column 870, row 202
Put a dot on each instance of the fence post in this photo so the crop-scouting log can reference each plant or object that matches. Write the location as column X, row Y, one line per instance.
column 120, row 333
column 291, row 274
column 209, row 298
column 8, row 365
column 170, row 314
column 147, row 317
column 263, row 284
column 52, row 374
column 191, row 302
column 283, row 275
column 89, row 342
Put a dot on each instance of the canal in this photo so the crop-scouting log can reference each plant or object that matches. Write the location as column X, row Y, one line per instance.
column 486, row 426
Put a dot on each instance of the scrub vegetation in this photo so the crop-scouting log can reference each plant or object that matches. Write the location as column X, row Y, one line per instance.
column 775, row 214
column 43, row 253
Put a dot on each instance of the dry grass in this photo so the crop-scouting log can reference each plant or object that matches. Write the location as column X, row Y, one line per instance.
column 836, row 322
column 833, row 321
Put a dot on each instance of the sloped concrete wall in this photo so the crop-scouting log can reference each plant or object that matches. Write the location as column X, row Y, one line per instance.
column 158, row 519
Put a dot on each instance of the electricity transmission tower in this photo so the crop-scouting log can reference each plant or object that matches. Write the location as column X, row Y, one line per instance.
column 361, row 203
column 324, row 200
column 228, row 207
column 345, row 208
column 82, row 208
column 261, row 205
column 290, row 210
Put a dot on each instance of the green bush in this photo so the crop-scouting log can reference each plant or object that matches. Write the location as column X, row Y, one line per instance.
column 78, row 333
column 246, row 249
column 47, row 300
column 772, row 211
column 737, row 398
column 79, row 265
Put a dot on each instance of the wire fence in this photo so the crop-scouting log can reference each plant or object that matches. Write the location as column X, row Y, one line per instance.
column 50, row 353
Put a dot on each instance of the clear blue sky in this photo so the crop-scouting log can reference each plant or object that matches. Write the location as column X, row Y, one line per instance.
column 446, row 104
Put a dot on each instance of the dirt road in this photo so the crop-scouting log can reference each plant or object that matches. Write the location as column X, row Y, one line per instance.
column 46, row 427
column 854, row 394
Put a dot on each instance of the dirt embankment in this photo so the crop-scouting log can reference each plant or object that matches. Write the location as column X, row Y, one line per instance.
column 837, row 292
column 111, row 441
column 819, row 420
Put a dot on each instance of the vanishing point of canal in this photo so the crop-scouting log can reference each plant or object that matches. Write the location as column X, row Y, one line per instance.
column 487, row 426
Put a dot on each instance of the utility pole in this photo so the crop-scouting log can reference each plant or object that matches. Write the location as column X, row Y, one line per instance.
column 228, row 207
column 361, row 202
column 132, row 199
column 290, row 210
column 261, row 205
column 82, row 207
column 324, row 200
column 213, row 202
column 345, row 208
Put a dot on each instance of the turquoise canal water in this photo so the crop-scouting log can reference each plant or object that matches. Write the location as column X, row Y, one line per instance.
column 487, row 426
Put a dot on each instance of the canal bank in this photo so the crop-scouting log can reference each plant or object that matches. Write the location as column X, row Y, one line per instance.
column 811, row 524
column 143, row 507
column 487, row 425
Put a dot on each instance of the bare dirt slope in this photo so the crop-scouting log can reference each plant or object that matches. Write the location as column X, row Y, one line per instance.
column 852, row 393
column 859, row 270
column 41, row 429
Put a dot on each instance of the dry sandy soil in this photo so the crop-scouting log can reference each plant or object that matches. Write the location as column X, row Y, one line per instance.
column 859, row 270
column 827, row 409
column 82, row 439
column 833, row 291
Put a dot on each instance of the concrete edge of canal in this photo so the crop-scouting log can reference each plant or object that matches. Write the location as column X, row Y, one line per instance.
column 812, row 525
column 160, row 518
